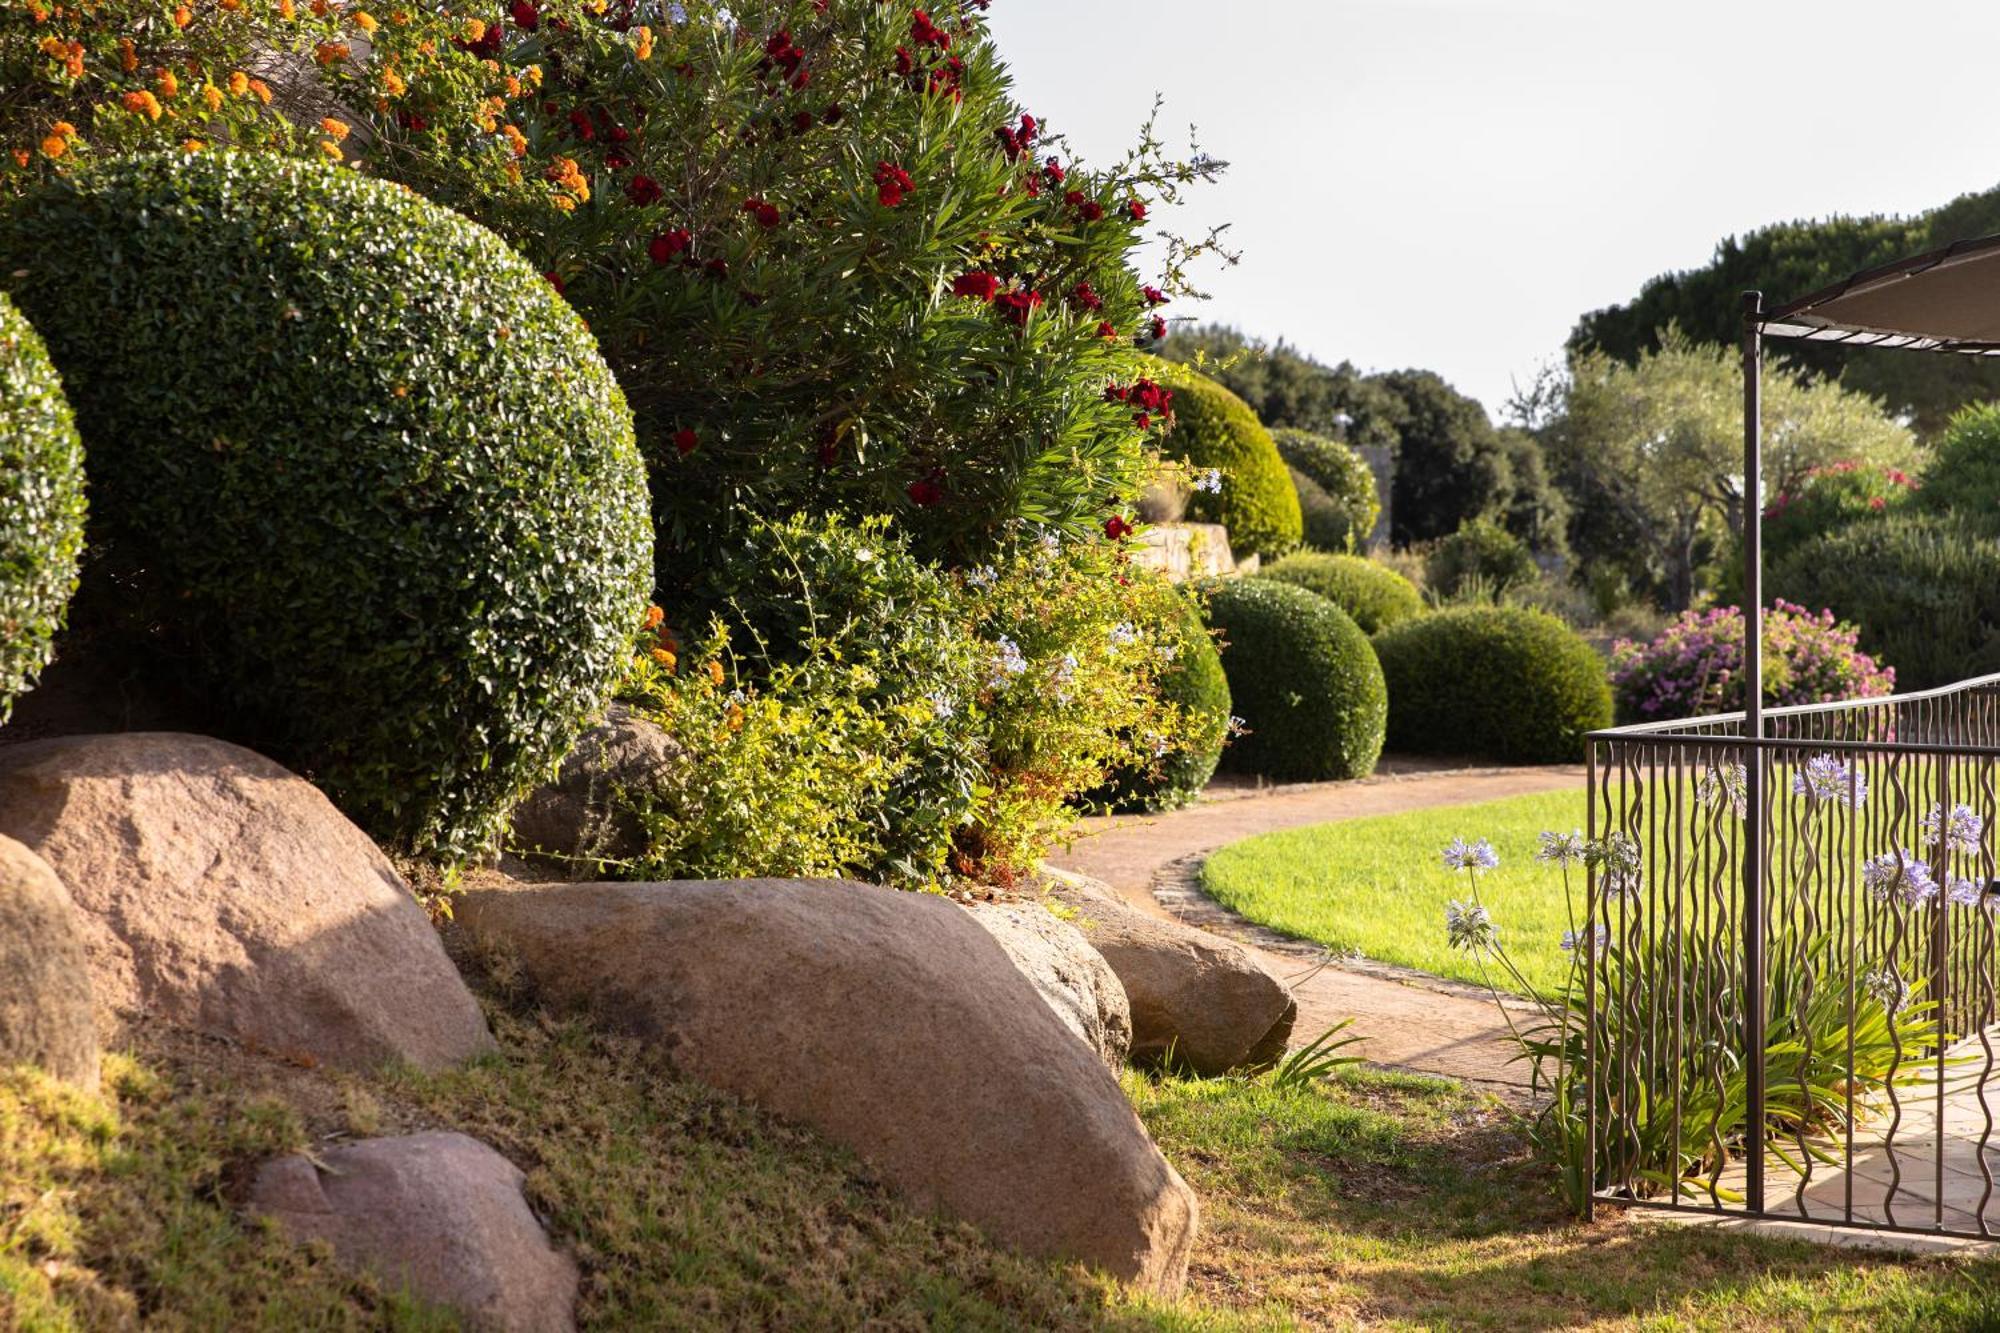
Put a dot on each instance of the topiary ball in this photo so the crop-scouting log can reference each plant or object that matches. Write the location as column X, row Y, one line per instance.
column 1213, row 428
column 41, row 506
column 1304, row 680
column 1336, row 487
column 1377, row 597
column 383, row 491
column 1194, row 682
column 1505, row 683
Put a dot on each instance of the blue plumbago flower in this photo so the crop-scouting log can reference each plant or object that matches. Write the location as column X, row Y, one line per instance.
column 941, row 705
column 1825, row 778
column 983, row 576
column 1572, row 940
column 1964, row 893
column 1470, row 929
column 1726, row 785
column 1960, row 828
column 1884, row 985
column 1477, row 856
column 1050, row 542
column 1008, row 662
column 1562, row 849
column 1901, row 875
column 1210, row 481
column 676, row 14
column 1123, row 634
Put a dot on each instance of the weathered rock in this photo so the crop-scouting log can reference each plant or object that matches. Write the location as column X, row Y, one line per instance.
column 890, row 1022
column 47, row 1018
column 221, row 892
column 575, row 815
column 1070, row 975
column 1196, row 998
column 440, row 1214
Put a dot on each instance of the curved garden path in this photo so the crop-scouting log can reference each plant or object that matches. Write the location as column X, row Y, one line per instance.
column 1408, row 1020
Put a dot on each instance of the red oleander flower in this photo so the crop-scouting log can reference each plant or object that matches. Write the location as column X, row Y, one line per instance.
column 1074, row 198
column 1091, row 210
column 579, row 124
column 1106, row 331
column 643, row 190
column 616, row 161
column 979, row 284
column 1136, row 211
column 1153, row 295
column 891, row 184
column 717, row 268
column 684, row 441
column 1151, row 396
column 618, row 134
column 766, row 214
column 1018, row 305
column 526, row 17
column 832, row 114
column 555, row 281
column 1159, row 329
column 1085, row 297
column 927, row 33
column 1116, row 528
column 1117, row 393
column 1142, row 421
column 926, row 491
column 667, row 244
column 1053, row 172
column 802, row 122
column 905, row 64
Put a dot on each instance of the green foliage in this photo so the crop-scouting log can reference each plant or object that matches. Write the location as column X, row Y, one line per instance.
column 1451, row 465
column 359, row 459
column 1923, row 588
column 1287, row 388
column 1213, row 428
column 1318, row 1058
column 41, row 506
column 1963, row 474
column 1793, row 259
column 1649, row 454
column 1190, row 679
column 1480, row 554
column 1506, row 683
column 1303, row 679
column 1830, row 498
column 856, row 298
column 1374, row 595
column 841, row 623
column 1338, row 496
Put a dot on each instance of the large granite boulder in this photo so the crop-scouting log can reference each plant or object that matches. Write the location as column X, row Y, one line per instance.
column 47, row 1018
column 892, row 1023
column 1071, row 976
column 221, row 892
column 439, row 1214
column 575, row 815
column 1200, row 1000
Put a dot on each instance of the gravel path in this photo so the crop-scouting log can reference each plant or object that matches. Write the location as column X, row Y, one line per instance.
column 1409, row 1020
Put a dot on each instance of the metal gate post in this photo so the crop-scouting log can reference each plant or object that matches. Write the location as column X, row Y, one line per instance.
column 1755, row 810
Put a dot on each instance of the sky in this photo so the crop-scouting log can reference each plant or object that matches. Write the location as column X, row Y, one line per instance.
column 1448, row 184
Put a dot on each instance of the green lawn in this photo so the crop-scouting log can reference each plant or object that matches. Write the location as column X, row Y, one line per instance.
column 1376, row 887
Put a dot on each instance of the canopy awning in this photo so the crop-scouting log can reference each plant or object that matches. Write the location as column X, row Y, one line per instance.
column 1945, row 301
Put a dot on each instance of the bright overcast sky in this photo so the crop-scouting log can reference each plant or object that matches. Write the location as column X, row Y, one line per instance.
column 1448, row 185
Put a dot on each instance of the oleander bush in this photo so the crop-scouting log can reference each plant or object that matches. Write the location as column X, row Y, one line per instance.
column 1924, row 589
column 1829, row 498
column 41, row 506
column 358, row 458
column 1483, row 557
column 1504, row 683
column 1326, row 467
column 1303, row 679
column 1963, row 475
column 1163, row 774
column 1375, row 595
column 1695, row 666
column 1213, row 428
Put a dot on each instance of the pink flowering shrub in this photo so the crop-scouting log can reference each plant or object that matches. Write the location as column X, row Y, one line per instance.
column 1832, row 497
column 1695, row 666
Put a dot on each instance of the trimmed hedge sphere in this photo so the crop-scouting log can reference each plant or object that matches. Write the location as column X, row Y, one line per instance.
column 1196, row 683
column 1332, row 470
column 1304, row 680
column 1376, row 596
column 1213, row 428
column 382, row 487
column 41, row 506
column 1505, row 683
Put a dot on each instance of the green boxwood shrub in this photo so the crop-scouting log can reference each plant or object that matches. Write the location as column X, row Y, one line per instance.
column 1377, row 597
column 1481, row 556
column 1505, row 683
column 1963, row 476
column 1213, row 428
column 382, row 489
column 1323, row 467
column 1923, row 588
column 1192, row 681
column 41, row 506
column 1304, row 680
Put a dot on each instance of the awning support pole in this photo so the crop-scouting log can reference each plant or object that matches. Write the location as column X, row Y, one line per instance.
column 1755, row 811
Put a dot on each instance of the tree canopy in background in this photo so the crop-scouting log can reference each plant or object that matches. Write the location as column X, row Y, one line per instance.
column 1793, row 259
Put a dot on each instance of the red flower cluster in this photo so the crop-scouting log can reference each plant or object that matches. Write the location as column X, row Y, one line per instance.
column 1053, row 173
column 1018, row 305
column 1085, row 297
column 926, row 33
column 926, row 491
column 663, row 247
column 526, row 17
column 766, row 214
column 1016, row 141
column 684, row 441
column 1153, row 295
column 1136, row 211
column 1106, row 331
column 779, row 51
column 891, row 184
column 1116, row 528
column 555, row 281
column 1159, row 329
column 643, row 190
column 1087, row 209
column 978, row 284
column 1150, row 398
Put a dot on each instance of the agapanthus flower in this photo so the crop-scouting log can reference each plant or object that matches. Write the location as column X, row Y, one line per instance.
column 1887, row 988
column 1562, row 849
column 1903, row 876
column 1469, row 928
column 1617, row 859
column 1964, row 893
column 1572, row 940
column 1725, row 784
column 1825, row 778
column 1959, row 827
column 1475, row 856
